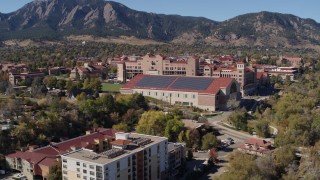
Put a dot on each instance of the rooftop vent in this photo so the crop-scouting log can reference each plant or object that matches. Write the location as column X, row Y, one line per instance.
column 112, row 153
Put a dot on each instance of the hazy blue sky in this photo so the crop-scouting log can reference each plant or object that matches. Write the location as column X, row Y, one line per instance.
column 218, row 10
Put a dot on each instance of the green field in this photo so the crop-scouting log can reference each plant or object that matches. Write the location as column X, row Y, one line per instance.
column 107, row 87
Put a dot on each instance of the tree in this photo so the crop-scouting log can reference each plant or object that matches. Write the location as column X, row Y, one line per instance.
column 55, row 173
column 82, row 96
column 209, row 141
column 138, row 101
column 61, row 84
column 239, row 120
column 23, row 133
column 121, row 126
column 152, row 122
column 173, row 129
column 262, row 129
column 89, row 108
column 107, row 103
column 38, row 88
column 192, row 138
column 241, row 166
column 50, row 82
column 213, row 155
column 14, row 106
column 284, row 156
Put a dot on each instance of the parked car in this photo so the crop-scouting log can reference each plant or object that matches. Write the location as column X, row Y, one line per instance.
column 230, row 139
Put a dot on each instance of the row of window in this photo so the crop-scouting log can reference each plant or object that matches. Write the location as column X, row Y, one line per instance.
column 133, row 67
column 193, row 96
column 175, row 68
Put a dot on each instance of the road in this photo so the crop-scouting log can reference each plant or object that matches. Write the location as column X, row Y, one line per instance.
column 239, row 138
column 236, row 135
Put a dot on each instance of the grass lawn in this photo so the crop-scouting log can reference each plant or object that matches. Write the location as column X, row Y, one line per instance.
column 107, row 87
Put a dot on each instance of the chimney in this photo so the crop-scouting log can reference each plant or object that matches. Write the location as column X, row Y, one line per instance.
column 88, row 132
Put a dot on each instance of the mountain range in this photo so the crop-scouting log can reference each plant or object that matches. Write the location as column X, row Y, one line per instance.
column 57, row 19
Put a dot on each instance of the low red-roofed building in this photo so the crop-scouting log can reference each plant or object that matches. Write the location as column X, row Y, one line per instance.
column 291, row 61
column 257, row 147
column 204, row 92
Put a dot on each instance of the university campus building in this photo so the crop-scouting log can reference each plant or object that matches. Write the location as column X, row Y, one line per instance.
column 156, row 65
column 203, row 92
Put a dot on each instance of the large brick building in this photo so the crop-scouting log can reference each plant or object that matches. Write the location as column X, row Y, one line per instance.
column 246, row 76
column 204, row 92
column 156, row 65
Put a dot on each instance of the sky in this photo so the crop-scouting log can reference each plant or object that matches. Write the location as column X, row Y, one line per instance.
column 218, row 10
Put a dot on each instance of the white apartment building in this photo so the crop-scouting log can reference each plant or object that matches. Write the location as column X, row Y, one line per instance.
column 132, row 157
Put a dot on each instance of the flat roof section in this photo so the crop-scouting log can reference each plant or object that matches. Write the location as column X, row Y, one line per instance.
column 155, row 81
column 192, row 83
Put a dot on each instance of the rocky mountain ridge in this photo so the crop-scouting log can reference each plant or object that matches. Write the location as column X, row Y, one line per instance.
column 55, row 19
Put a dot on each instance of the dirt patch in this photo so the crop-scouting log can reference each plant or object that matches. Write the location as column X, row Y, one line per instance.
column 119, row 40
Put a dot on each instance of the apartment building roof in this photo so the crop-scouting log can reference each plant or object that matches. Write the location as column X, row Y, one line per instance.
column 115, row 153
column 79, row 142
column 198, row 84
column 28, row 156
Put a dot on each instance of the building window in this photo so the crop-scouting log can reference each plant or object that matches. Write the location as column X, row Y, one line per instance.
column 65, row 178
column 185, row 95
column 118, row 166
column 162, row 94
column 78, row 175
column 99, row 168
column 78, row 163
column 84, row 165
column 91, row 166
column 84, row 177
column 85, row 171
column 65, row 172
column 91, row 178
column 92, row 173
column 64, row 160
column 78, row 169
column 193, row 96
column 65, row 166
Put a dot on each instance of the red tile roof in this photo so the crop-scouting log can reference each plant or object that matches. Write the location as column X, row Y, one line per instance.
column 292, row 58
column 47, row 161
column 259, row 142
column 243, row 146
column 44, row 155
column 213, row 88
column 262, row 74
column 82, row 141
column 32, row 157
